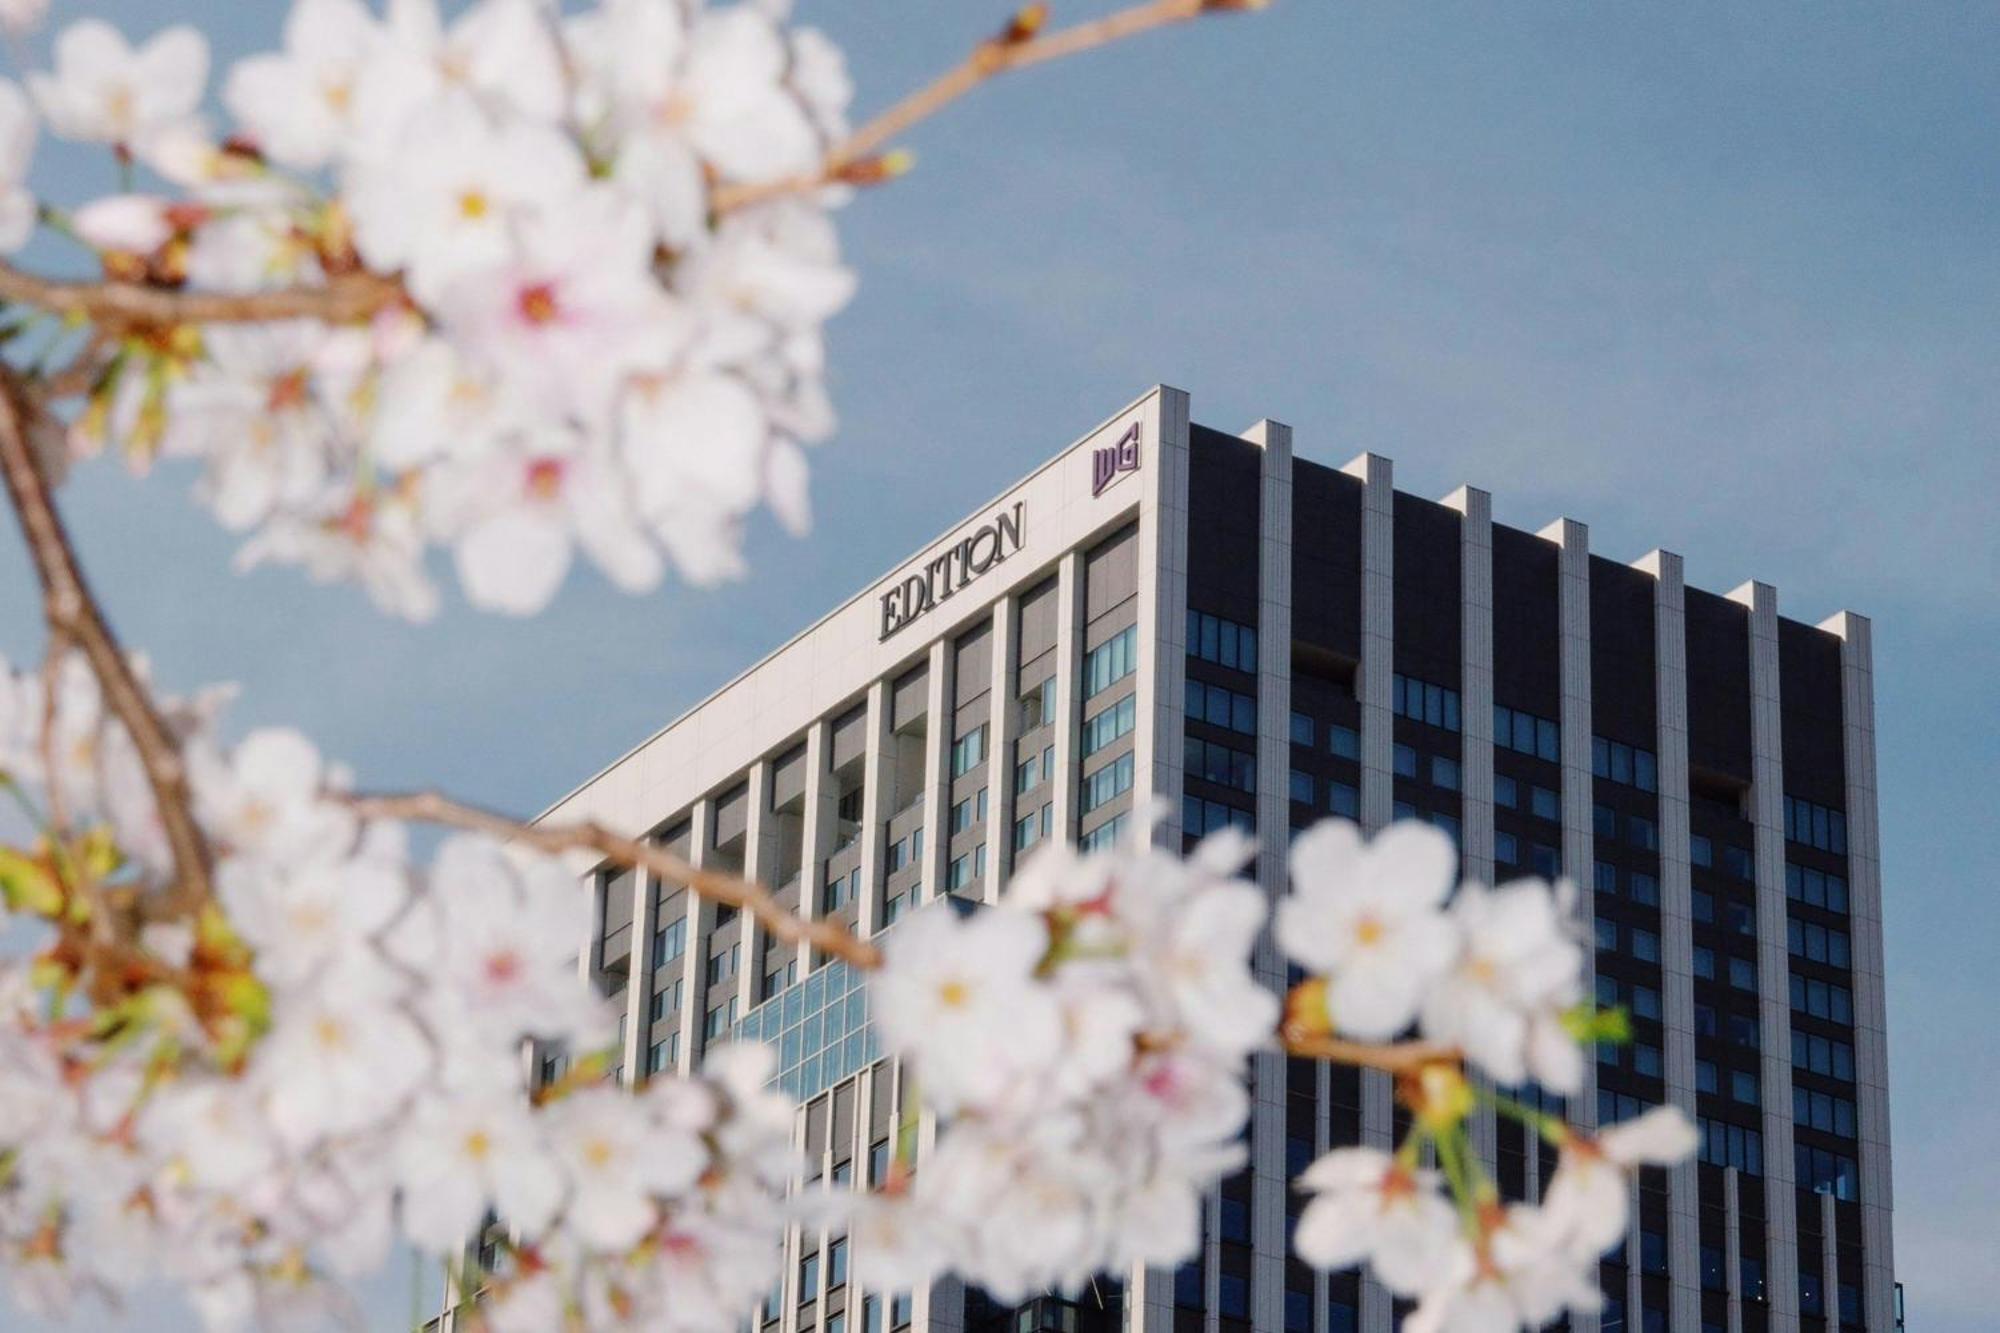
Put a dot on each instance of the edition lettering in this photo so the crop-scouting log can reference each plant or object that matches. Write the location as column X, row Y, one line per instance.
column 951, row 569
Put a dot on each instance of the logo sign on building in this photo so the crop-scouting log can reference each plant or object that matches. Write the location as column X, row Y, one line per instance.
column 1114, row 460
column 951, row 569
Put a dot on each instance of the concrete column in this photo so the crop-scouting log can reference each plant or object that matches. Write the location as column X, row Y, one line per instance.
column 1676, row 921
column 1475, row 619
column 1002, row 717
column 877, row 803
column 816, row 830
column 940, row 722
column 1864, row 886
column 1732, row 1239
column 1829, row 1259
column 1578, row 850
column 1774, row 1002
column 1269, row 1184
column 760, row 866
column 694, row 956
column 1378, row 646
column 1160, row 704
column 639, row 984
column 1069, row 690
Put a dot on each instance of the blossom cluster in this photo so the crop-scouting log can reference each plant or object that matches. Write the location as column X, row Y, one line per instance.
column 571, row 344
column 1086, row 1038
column 1496, row 976
column 259, row 1097
column 1083, row 1042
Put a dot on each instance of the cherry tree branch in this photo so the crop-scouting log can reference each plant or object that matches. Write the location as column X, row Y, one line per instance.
column 1403, row 1057
column 74, row 617
column 590, row 836
column 114, row 304
column 1020, row 44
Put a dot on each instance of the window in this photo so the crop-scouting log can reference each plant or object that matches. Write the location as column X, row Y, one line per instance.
column 1234, row 1297
column 1743, row 1087
column 964, row 869
column 1607, row 935
column 967, row 751
column 1444, row 772
column 1027, row 773
column 1111, row 661
column 1421, row 701
column 1645, row 1002
column 969, row 811
column 1525, row 733
column 1707, row 1078
column 1741, row 1029
column 1100, row 729
column 1025, row 829
column 720, row 1020
column 1653, row 1251
column 1302, row 787
column 1343, row 799
column 899, row 855
column 837, row 1322
column 1223, row 642
column 1646, row 1060
column 1645, row 888
column 1544, row 804
column 1038, row 706
column 1743, row 974
column 1343, row 742
column 836, row 1263
column 1704, row 962
column 1104, row 835
column 1545, row 861
column 878, row 1162
column 1822, row 999
column 1817, row 943
column 1107, row 783
column 1405, row 760
column 1642, row 833
column 1448, row 823
column 1505, row 791
column 1823, row 1055
column 1825, row 1172
column 1815, row 888
column 663, row 1054
column 899, row 1310
column 1740, row 917
column 1724, row 1144
column 1815, row 826
column 1605, row 877
column 1188, row 1293
column 1603, row 821
column 1713, row 1273
column 1624, row 763
column 809, row 1276
column 1217, row 763
column 1736, row 861
column 1221, row 707
column 1199, row 817
column 1302, row 730
column 1823, row 1111
column 1506, row 848
column 669, row 942
column 1701, row 851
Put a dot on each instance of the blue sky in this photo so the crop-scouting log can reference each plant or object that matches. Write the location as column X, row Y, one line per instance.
column 1717, row 279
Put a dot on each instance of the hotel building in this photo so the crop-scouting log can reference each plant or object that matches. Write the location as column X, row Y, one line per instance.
column 1165, row 613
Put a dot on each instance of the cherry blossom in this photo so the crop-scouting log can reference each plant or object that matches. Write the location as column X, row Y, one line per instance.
column 1365, row 913
column 18, row 128
column 106, row 91
column 1518, row 973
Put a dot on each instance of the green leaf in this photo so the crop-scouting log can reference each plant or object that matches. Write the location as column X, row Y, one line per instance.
column 1591, row 1025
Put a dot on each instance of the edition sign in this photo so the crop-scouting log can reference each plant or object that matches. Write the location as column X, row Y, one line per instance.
column 951, row 569
column 1113, row 460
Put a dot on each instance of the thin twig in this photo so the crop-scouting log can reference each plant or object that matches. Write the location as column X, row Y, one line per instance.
column 1014, row 48
column 74, row 617
column 345, row 299
column 1403, row 1057
column 435, row 808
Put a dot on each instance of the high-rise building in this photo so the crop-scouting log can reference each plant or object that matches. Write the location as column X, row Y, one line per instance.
column 1168, row 617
